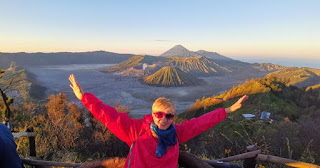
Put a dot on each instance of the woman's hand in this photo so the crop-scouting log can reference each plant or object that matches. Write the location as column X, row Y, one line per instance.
column 236, row 105
column 75, row 87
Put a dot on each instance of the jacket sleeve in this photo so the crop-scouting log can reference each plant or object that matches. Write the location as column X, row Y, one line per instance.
column 189, row 129
column 120, row 124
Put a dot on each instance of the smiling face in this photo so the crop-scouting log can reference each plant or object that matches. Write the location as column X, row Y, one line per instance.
column 164, row 122
column 164, row 106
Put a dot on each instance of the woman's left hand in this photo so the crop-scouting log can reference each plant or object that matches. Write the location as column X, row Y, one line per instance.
column 75, row 87
column 237, row 105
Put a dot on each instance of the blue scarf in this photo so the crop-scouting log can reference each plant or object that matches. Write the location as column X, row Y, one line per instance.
column 166, row 138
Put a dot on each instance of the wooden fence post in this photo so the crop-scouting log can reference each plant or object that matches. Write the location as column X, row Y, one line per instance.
column 250, row 162
column 32, row 143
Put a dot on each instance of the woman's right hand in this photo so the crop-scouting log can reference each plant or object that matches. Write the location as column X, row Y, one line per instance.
column 75, row 87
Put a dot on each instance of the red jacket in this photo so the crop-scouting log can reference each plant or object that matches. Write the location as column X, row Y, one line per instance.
column 138, row 131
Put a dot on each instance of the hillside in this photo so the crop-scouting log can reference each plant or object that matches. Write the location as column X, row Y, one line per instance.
column 269, row 89
column 136, row 61
column 293, row 121
column 61, row 58
column 300, row 77
column 22, row 84
column 254, row 86
column 197, row 65
column 129, row 63
column 170, row 76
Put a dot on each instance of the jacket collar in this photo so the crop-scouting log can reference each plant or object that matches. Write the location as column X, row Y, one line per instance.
column 147, row 119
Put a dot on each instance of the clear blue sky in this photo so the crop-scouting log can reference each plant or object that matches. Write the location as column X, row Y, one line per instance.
column 234, row 28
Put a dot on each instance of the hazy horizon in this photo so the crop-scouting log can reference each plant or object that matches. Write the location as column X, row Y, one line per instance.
column 310, row 63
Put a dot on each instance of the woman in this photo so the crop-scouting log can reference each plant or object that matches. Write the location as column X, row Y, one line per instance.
column 153, row 140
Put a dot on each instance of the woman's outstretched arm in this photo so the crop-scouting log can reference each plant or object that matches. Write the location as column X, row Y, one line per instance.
column 194, row 127
column 120, row 124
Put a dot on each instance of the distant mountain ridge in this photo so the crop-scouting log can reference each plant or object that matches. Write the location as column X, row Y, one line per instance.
column 62, row 58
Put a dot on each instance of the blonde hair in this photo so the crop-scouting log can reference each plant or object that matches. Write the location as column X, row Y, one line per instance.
column 163, row 103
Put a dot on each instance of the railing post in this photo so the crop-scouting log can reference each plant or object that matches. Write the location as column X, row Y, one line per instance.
column 32, row 143
column 32, row 146
column 250, row 162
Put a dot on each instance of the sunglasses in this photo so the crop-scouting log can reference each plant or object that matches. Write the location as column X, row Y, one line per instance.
column 161, row 114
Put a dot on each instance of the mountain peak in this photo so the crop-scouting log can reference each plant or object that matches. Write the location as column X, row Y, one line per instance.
column 178, row 51
column 179, row 47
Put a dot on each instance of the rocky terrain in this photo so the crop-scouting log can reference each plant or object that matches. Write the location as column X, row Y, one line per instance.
column 172, row 77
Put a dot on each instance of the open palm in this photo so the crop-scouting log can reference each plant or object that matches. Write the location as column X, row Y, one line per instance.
column 75, row 87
